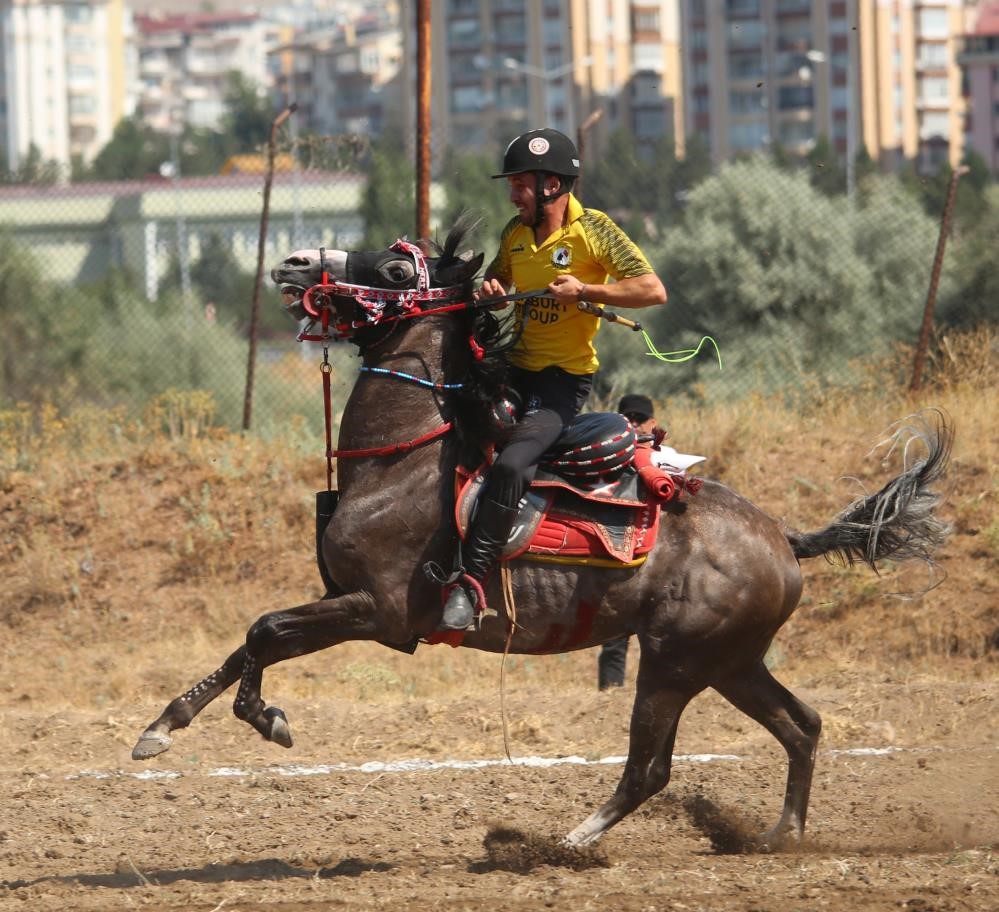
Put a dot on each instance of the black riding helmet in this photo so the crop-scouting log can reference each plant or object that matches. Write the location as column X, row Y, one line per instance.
column 544, row 151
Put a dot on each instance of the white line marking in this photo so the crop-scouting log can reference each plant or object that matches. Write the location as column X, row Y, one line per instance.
column 417, row 765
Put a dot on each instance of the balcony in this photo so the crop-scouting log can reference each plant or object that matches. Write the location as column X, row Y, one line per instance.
column 978, row 50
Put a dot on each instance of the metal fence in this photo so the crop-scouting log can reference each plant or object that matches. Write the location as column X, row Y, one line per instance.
column 113, row 293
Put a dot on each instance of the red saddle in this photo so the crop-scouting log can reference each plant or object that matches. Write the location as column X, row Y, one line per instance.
column 614, row 524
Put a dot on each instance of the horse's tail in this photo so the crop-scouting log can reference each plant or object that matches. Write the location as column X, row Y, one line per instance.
column 899, row 521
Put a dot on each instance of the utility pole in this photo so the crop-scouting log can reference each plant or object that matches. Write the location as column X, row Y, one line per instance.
column 423, row 118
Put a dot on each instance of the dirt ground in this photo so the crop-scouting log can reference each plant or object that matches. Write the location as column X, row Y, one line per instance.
column 911, row 826
column 124, row 580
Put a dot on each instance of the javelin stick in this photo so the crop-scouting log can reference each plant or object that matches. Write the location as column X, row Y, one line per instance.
column 609, row 316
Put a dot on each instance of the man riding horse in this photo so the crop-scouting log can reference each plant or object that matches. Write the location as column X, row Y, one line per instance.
column 552, row 243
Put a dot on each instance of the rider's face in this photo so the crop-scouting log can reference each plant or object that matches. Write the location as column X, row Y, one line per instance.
column 523, row 193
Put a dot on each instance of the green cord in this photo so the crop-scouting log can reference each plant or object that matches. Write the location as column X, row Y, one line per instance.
column 685, row 354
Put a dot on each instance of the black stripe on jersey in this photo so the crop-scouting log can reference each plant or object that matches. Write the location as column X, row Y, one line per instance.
column 611, row 242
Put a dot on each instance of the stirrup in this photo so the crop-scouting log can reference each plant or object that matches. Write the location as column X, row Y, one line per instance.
column 471, row 593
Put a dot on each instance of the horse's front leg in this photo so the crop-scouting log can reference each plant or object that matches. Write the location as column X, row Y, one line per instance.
column 287, row 634
column 182, row 710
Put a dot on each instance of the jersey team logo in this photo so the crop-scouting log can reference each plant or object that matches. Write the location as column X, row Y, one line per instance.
column 538, row 145
column 561, row 257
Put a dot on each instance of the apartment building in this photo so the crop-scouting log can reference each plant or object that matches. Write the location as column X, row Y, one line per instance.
column 66, row 71
column 881, row 74
column 344, row 79
column 184, row 63
column 979, row 57
column 500, row 67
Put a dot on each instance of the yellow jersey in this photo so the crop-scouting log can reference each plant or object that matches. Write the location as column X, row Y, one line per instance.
column 589, row 246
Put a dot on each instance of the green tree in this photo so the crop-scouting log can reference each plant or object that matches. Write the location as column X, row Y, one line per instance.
column 616, row 181
column 388, row 204
column 134, row 151
column 470, row 188
column 827, row 172
column 248, row 116
column 33, row 169
column 791, row 282
column 974, row 296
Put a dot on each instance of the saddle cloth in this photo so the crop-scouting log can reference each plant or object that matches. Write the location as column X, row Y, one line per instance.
column 595, row 498
column 614, row 526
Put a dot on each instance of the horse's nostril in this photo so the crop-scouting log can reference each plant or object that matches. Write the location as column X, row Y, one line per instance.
column 296, row 261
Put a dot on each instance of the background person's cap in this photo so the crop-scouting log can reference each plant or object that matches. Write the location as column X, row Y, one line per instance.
column 636, row 404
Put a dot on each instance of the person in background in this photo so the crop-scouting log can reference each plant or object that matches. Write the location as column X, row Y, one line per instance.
column 638, row 409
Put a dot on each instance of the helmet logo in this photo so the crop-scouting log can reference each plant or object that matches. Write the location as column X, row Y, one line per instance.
column 538, row 146
column 561, row 257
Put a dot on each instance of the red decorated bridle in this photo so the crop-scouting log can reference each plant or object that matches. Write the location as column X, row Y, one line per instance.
column 375, row 306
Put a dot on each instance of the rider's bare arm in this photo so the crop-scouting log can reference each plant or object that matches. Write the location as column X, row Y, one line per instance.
column 637, row 291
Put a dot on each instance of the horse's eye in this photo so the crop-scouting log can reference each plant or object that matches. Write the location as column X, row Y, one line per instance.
column 398, row 271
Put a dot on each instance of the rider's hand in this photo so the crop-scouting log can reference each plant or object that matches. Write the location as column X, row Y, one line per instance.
column 567, row 288
column 491, row 288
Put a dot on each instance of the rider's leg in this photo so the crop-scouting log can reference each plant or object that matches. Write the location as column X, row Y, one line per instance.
column 499, row 503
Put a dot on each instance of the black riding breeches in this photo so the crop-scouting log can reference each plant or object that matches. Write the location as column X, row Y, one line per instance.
column 551, row 398
column 517, row 462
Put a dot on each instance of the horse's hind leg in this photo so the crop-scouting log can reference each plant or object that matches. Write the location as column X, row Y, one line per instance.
column 180, row 711
column 287, row 634
column 796, row 726
column 654, row 719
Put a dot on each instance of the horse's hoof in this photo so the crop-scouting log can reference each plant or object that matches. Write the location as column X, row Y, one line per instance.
column 150, row 744
column 280, row 731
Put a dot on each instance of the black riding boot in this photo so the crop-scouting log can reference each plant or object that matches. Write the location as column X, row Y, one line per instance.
column 489, row 533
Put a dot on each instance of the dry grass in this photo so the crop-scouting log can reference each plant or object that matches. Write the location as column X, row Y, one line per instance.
column 135, row 554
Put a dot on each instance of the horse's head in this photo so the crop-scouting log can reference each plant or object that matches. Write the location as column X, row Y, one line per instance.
column 374, row 285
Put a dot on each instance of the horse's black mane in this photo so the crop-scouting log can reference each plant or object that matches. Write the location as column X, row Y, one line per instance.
column 485, row 381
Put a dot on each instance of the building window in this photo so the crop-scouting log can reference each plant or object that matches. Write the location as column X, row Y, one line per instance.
column 935, row 125
column 934, row 90
column 752, row 135
column 510, row 29
column 794, row 98
column 742, row 7
column 645, row 56
column 551, row 32
column 744, row 35
column 745, row 66
column 650, row 123
column 645, row 20
column 511, row 96
column 467, row 98
column 932, row 54
column 646, row 87
column 463, row 32
column 79, row 44
column 83, row 72
column 796, row 132
column 933, row 23
column 746, row 102
column 82, row 104
column 78, row 12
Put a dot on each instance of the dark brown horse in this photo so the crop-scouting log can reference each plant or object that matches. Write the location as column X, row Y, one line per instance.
column 705, row 606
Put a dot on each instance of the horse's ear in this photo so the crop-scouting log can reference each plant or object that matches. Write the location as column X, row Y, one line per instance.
column 457, row 270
